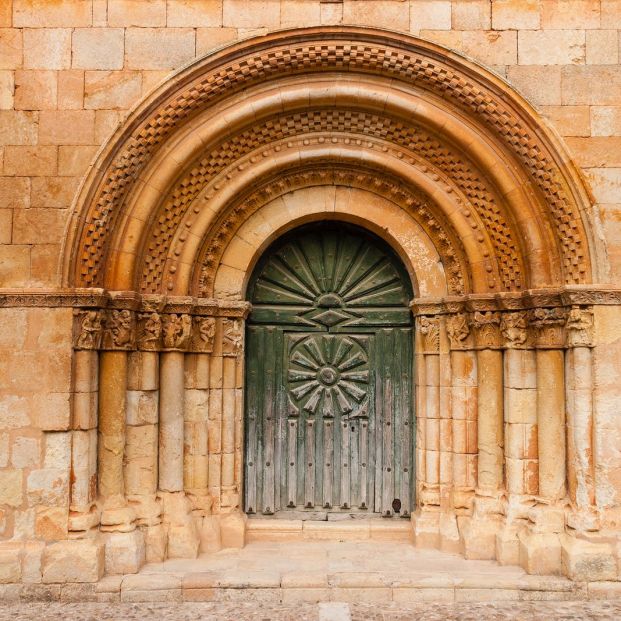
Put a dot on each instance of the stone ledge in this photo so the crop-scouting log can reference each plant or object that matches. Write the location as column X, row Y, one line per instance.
column 347, row 591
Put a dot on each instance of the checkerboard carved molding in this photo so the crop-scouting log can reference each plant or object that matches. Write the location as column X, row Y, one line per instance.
column 476, row 103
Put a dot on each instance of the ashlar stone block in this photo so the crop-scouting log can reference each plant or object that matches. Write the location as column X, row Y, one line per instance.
column 73, row 561
column 540, row 554
column 124, row 552
column 586, row 561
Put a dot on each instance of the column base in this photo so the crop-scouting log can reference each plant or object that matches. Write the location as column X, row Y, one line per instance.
column 479, row 537
column 540, row 554
column 586, row 561
column 155, row 540
column 182, row 536
column 426, row 529
column 233, row 530
column 125, row 552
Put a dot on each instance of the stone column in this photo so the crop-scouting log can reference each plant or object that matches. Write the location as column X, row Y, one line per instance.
column 427, row 517
column 463, row 410
column 479, row 531
column 490, row 401
column 550, row 340
column 232, row 412
column 520, row 406
column 171, row 422
column 196, row 446
column 463, row 419
column 579, row 372
column 87, row 337
column 183, row 540
column 141, row 449
column 539, row 541
column 520, row 432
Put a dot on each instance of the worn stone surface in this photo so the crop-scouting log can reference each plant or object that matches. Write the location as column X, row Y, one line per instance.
column 73, row 561
column 495, row 467
column 304, row 611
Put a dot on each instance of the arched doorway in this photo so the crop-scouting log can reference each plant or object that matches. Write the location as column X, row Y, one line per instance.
column 432, row 153
column 329, row 425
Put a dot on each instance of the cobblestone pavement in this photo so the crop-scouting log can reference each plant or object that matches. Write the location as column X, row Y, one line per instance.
column 501, row 611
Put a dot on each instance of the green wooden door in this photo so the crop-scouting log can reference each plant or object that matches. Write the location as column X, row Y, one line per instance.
column 329, row 403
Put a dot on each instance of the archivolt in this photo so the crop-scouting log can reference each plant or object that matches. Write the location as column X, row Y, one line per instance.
column 479, row 151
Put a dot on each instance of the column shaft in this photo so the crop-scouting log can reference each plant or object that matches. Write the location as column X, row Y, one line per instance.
column 171, row 422
column 464, row 418
column 490, row 419
column 520, row 418
column 551, row 423
column 112, row 388
column 580, row 428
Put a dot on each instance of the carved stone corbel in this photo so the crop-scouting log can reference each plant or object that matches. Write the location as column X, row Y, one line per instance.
column 579, row 327
column 514, row 329
column 429, row 329
column 486, row 328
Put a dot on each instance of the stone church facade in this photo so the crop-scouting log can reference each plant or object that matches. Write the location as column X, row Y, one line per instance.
column 309, row 256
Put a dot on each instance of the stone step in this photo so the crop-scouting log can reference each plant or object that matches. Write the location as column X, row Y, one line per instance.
column 258, row 530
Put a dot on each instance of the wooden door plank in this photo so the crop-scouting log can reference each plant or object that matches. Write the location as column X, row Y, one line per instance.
column 345, row 465
column 309, row 464
column 252, row 409
column 328, row 462
column 354, row 461
column 269, row 423
column 407, row 480
column 292, row 462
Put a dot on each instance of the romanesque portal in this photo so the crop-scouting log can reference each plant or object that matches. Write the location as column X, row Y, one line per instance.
column 336, row 269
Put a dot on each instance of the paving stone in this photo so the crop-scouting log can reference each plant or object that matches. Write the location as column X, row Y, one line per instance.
column 302, row 611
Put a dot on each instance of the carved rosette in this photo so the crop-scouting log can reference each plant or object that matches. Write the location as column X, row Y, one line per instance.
column 548, row 326
column 579, row 327
column 514, row 329
column 458, row 331
column 429, row 330
column 486, row 328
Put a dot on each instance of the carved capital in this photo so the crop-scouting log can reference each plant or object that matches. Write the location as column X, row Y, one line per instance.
column 579, row 327
column 119, row 331
column 429, row 329
column 203, row 334
column 514, row 329
column 548, row 326
column 486, row 328
column 232, row 337
column 149, row 331
column 88, row 329
column 458, row 331
column 176, row 331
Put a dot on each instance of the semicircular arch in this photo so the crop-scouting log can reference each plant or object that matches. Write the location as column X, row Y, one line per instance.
column 479, row 150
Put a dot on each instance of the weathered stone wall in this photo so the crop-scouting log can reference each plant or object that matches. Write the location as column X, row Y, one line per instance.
column 70, row 71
